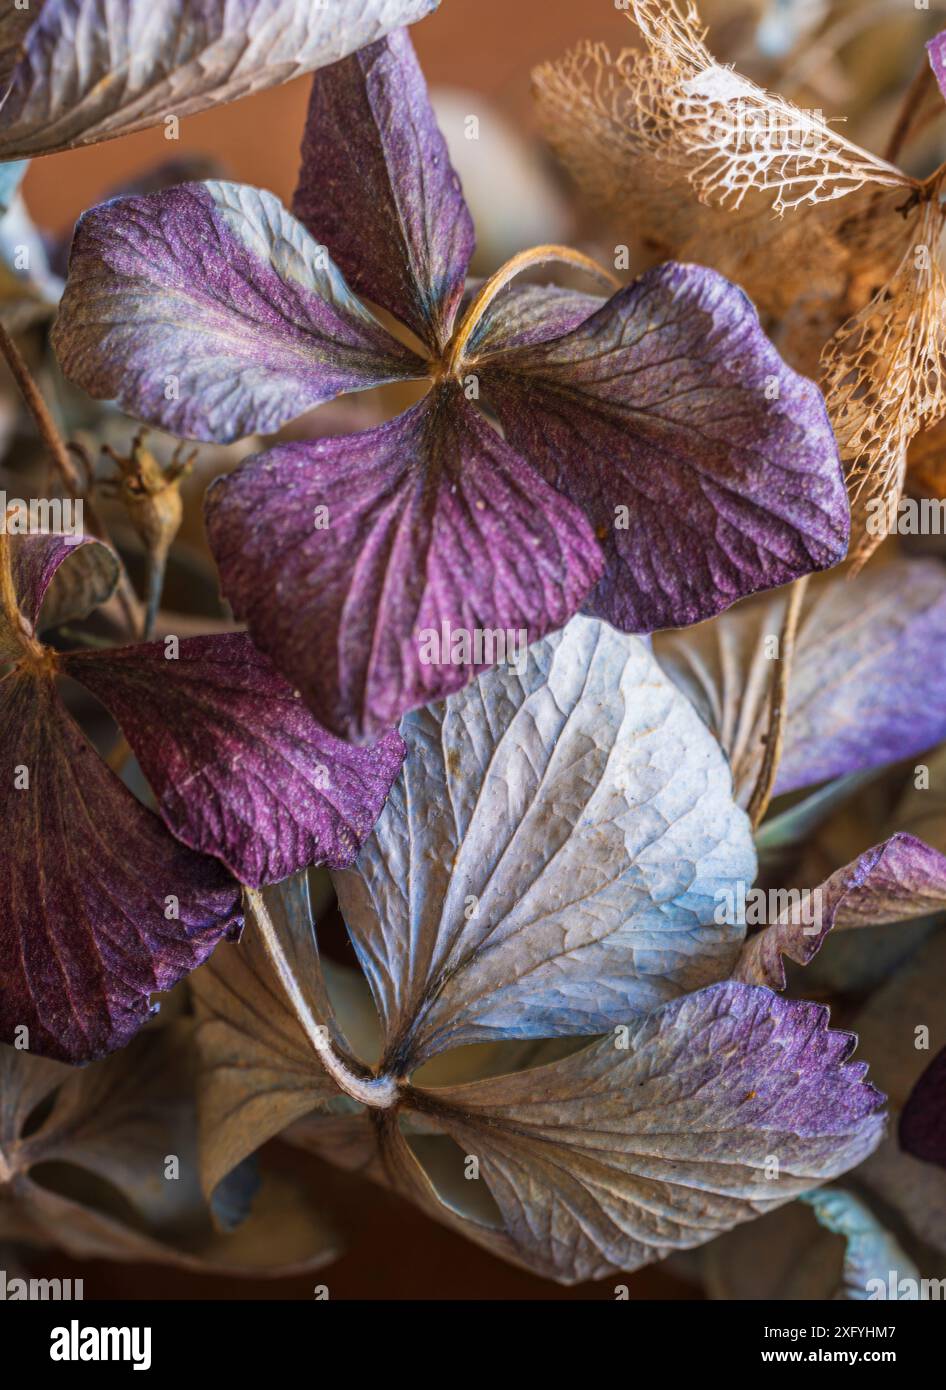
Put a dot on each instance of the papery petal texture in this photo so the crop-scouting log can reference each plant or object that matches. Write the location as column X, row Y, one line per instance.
column 258, row 1071
column 208, row 309
column 38, row 565
column 706, row 465
column 523, row 315
column 99, row 906
column 551, row 860
column 892, row 882
column 377, row 186
column 865, row 683
column 238, row 765
column 115, row 1122
column 613, row 1157
column 381, row 570
column 77, row 71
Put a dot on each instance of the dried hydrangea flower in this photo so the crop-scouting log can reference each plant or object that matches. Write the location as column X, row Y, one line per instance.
column 355, row 561
column 119, row 1120
column 649, row 134
column 73, row 72
column 100, row 906
column 548, row 868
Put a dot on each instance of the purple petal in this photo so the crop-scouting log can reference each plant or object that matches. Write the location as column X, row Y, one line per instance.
column 524, row 315
column 99, row 906
column 209, row 310
column 35, row 560
column 671, row 404
column 936, row 48
column 239, row 767
column 78, row 71
column 615, row 1156
column 923, row 1118
column 377, row 186
column 892, row 882
column 45, row 590
column 430, row 519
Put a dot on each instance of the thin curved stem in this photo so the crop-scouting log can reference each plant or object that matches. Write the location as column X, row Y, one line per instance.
column 65, row 466
column 778, row 706
column 378, row 1092
column 914, row 98
column 525, row 260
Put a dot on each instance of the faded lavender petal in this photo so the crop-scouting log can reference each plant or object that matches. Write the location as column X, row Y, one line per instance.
column 99, row 907
column 238, row 765
column 208, row 310
column 750, row 497
column 866, row 682
column 936, row 48
column 77, row 71
column 346, row 556
column 892, row 882
column 524, row 315
column 612, row 1158
column 377, row 186
column 923, row 1119
column 551, row 860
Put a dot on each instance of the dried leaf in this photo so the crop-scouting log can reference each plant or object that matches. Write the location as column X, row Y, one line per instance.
column 120, row 1121
column 550, row 861
column 77, row 71
column 884, row 378
column 863, row 689
column 892, row 882
column 651, row 1139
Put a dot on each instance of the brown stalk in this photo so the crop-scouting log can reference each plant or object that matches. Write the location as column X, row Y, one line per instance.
column 910, row 109
column 69, row 474
column 778, row 706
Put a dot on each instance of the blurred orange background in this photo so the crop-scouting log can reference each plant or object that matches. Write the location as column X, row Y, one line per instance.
column 489, row 46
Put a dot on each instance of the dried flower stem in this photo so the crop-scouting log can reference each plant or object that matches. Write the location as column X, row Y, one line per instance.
column 910, row 109
column 378, row 1092
column 71, row 479
column 525, row 260
column 778, row 705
